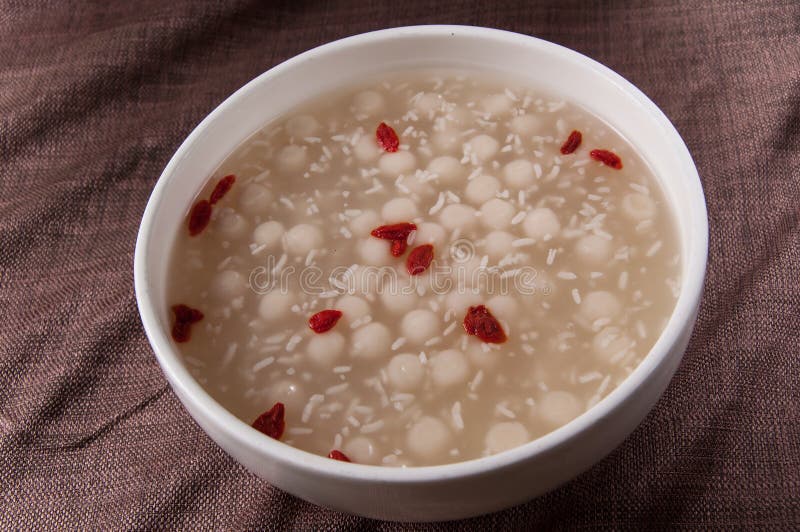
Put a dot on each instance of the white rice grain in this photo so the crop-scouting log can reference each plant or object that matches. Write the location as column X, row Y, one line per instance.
column 397, row 344
column 375, row 426
column 261, row 364
column 520, row 242
column 438, row 205
column 338, row 388
column 576, row 296
column 455, row 412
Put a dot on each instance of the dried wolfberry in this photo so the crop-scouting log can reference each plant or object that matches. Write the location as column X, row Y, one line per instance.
column 221, row 189
column 608, row 158
column 394, row 231
column 572, row 142
column 185, row 317
column 199, row 217
column 324, row 320
column 398, row 247
column 338, row 455
column 387, row 137
column 271, row 422
column 481, row 323
column 419, row 259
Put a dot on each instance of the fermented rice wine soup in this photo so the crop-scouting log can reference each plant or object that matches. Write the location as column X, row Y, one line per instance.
column 427, row 268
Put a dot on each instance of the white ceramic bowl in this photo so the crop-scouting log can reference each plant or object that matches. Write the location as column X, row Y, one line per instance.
column 477, row 486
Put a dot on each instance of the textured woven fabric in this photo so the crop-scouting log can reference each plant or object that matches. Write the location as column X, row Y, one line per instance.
column 94, row 99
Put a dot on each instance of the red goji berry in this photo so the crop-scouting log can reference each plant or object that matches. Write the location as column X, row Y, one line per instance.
column 387, row 137
column 419, row 259
column 398, row 247
column 324, row 320
column 398, row 231
column 338, row 455
column 572, row 142
column 185, row 317
column 221, row 189
column 199, row 217
column 481, row 323
column 272, row 421
column 608, row 158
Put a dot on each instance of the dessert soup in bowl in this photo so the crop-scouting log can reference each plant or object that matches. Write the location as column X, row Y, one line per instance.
column 463, row 271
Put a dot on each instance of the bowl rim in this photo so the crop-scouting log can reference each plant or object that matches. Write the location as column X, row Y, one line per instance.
column 189, row 390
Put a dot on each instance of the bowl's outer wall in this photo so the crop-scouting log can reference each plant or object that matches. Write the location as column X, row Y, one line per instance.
column 461, row 490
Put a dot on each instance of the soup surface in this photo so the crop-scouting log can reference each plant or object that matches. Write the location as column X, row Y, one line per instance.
column 563, row 258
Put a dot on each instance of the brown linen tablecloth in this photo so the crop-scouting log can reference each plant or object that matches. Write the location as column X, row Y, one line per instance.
column 94, row 99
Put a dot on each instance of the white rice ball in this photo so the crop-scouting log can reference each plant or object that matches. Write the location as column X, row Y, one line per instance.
column 496, row 104
column 420, row 325
column 399, row 301
column 593, row 249
column 449, row 368
column 541, row 223
column 269, row 234
column 430, row 233
column 448, row 169
column 446, row 141
column 290, row 393
column 255, row 199
column 458, row 215
column 610, row 343
column 375, row 252
column 638, row 207
column 399, row 210
column 369, row 103
column 292, row 159
column 398, row 163
column 231, row 225
column 366, row 149
column 428, row 438
column 371, row 341
column 228, row 285
column 325, row 349
column 302, row 238
column 480, row 358
column 275, row 305
column 484, row 147
column 405, row 372
column 506, row 435
column 482, row 189
column 460, row 299
column 362, row 450
column 363, row 224
column 497, row 213
column 469, row 273
column 599, row 304
column 498, row 244
column 302, row 126
column 525, row 125
column 518, row 174
column 558, row 408
column 352, row 307
column 459, row 115
column 428, row 102
column 503, row 307
column 364, row 280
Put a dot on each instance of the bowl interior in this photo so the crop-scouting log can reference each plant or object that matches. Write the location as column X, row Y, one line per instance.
column 560, row 70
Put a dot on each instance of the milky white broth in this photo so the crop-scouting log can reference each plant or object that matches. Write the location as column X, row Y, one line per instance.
column 578, row 261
